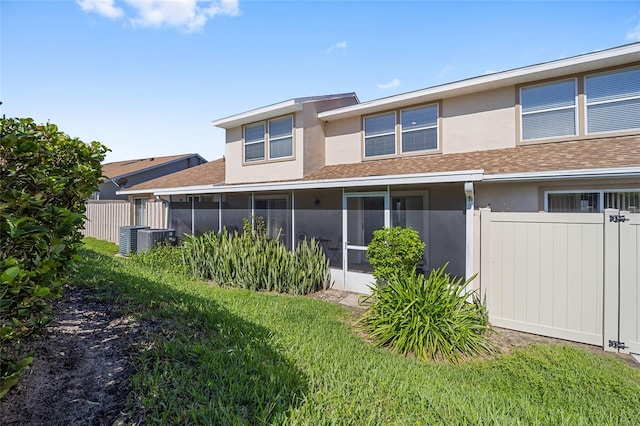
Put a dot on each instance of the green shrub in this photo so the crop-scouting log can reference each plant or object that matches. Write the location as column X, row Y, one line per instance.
column 253, row 261
column 429, row 317
column 394, row 251
column 163, row 257
column 45, row 179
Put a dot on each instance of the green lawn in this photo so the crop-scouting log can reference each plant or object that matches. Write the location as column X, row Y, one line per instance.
column 226, row 356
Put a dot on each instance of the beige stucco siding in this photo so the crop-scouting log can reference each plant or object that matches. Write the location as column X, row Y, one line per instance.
column 314, row 132
column 508, row 197
column 313, row 156
column 480, row 121
column 263, row 171
column 343, row 141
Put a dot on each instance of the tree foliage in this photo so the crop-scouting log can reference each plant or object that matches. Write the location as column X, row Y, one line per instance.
column 394, row 251
column 45, row 178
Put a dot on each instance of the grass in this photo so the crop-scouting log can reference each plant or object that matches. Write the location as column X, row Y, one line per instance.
column 229, row 356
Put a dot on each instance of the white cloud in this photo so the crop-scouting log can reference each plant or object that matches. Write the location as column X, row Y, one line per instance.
column 445, row 72
column 390, row 85
column 339, row 46
column 189, row 15
column 102, row 7
column 634, row 34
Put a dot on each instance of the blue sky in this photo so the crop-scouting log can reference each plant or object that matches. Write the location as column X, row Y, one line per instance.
column 147, row 77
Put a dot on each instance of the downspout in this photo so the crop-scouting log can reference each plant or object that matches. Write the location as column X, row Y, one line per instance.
column 470, row 235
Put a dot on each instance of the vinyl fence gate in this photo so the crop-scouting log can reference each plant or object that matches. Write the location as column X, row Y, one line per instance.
column 574, row 276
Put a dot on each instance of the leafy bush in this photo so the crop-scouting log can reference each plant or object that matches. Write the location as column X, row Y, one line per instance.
column 45, row 179
column 429, row 317
column 164, row 257
column 255, row 262
column 394, row 251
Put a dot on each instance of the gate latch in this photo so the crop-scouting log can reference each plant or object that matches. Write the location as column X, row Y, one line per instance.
column 617, row 218
column 616, row 344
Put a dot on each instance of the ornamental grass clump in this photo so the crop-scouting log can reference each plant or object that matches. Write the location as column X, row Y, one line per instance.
column 253, row 261
column 431, row 318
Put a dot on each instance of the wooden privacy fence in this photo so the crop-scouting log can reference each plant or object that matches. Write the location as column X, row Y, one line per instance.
column 573, row 276
column 104, row 218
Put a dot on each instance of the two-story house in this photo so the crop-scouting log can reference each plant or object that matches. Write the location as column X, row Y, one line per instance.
column 558, row 136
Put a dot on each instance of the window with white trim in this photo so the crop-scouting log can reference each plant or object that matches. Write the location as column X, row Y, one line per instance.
column 380, row 135
column 254, row 136
column 281, row 137
column 548, row 110
column 613, row 101
column 419, row 128
column 272, row 139
column 592, row 201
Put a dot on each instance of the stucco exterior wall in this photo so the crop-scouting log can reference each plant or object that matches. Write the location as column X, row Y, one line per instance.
column 343, row 141
column 314, row 131
column 313, row 139
column 508, row 197
column 480, row 121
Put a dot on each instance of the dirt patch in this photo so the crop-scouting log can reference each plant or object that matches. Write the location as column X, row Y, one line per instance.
column 81, row 371
column 83, row 362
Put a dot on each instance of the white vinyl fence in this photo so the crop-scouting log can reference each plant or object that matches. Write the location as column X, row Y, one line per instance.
column 104, row 218
column 573, row 276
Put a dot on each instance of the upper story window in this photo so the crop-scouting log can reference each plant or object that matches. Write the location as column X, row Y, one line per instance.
column 281, row 137
column 613, row 101
column 380, row 135
column 549, row 110
column 418, row 131
column 419, row 128
column 277, row 132
column 254, row 136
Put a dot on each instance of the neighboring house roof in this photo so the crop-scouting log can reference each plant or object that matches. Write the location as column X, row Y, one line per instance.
column 281, row 108
column 211, row 173
column 556, row 156
column 121, row 169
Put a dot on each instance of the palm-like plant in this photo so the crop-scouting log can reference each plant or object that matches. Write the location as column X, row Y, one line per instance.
column 429, row 317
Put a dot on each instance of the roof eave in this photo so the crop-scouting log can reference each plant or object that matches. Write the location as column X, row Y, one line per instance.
column 584, row 63
column 608, row 172
column 275, row 110
column 406, row 179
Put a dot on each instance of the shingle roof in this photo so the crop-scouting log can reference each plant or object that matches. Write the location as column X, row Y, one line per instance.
column 204, row 174
column 585, row 154
column 556, row 156
column 124, row 168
